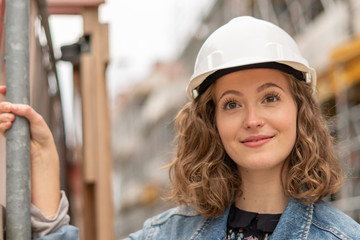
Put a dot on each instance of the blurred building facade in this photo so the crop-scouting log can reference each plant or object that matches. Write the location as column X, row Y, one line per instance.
column 143, row 144
column 327, row 32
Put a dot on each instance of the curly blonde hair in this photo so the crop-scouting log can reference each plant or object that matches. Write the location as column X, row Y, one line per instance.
column 205, row 177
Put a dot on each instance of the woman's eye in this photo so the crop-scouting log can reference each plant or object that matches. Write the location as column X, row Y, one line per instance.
column 271, row 98
column 231, row 105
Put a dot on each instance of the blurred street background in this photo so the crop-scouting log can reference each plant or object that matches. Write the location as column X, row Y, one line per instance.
column 109, row 77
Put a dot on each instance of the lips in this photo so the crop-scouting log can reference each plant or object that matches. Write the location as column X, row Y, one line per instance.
column 256, row 141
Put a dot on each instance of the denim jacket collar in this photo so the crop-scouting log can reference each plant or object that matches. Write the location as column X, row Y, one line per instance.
column 298, row 222
column 295, row 221
column 215, row 229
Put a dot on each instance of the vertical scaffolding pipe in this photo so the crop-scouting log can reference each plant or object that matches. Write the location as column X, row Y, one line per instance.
column 18, row 225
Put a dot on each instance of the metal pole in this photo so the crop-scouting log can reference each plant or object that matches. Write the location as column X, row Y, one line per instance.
column 43, row 10
column 18, row 225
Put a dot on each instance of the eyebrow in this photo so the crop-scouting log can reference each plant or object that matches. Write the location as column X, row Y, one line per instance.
column 268, row 85
column 259, row 89
column 230, row 92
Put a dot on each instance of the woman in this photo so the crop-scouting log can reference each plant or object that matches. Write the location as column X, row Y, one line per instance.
column 254, row 157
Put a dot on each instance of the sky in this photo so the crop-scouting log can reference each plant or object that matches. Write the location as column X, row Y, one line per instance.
column 141, row 32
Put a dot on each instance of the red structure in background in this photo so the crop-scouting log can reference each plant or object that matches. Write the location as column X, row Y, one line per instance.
column 71, row 7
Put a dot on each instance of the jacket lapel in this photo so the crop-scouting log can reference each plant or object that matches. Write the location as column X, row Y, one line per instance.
column 294, row 222
column 213, row 228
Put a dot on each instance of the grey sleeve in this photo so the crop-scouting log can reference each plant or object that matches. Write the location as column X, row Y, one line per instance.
column 41, row 225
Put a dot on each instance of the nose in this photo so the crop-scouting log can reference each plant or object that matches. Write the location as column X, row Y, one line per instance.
column 253, row 118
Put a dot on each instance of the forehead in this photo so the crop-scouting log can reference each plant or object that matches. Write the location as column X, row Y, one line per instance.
column 251, row 78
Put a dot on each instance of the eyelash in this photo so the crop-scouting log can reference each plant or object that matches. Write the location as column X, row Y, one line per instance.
column 227, row 102
column 272, row 95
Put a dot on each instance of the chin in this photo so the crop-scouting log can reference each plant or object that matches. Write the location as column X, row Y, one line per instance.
column 261, row 165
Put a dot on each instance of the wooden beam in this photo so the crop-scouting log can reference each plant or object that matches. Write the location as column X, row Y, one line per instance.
column 96, row 128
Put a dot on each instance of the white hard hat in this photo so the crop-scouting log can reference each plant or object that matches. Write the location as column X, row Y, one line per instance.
column 243, row 43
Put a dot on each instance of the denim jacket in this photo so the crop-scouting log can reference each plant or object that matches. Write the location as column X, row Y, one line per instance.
column 314, row 221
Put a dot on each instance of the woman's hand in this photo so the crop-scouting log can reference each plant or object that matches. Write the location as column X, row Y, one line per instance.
column 45, row 182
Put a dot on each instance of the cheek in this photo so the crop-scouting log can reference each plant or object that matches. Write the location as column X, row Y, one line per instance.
column 219, row 125
column 223, row 126
column 289, row 124
column 227, row 128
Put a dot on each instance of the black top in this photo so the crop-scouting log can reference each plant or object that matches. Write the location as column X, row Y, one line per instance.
column 249, row 225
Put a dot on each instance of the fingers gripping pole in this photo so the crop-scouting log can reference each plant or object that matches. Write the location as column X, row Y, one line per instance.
column 18, row 225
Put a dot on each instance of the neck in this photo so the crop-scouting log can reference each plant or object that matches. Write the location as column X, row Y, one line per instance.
column 262, row 192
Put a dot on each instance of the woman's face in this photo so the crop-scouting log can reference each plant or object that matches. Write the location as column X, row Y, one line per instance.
column 256, row 117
